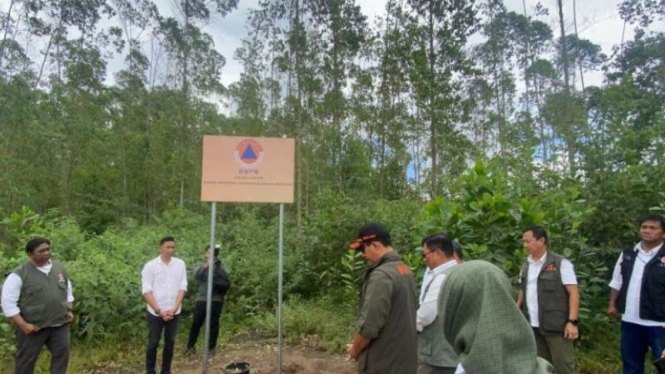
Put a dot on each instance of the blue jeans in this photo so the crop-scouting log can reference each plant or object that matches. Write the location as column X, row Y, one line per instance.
column 635, row 342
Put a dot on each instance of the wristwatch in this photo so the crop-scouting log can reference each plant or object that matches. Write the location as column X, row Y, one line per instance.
column 157, row 311
column 575, row 322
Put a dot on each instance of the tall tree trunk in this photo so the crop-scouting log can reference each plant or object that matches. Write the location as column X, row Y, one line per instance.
column 432, row 125
column 569, row 137
column 527, row 58
column 579, row 60
column 6, row 31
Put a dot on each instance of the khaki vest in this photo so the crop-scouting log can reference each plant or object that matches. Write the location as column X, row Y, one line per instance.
column 433, row 348
column 43, row 300
column 552, row 296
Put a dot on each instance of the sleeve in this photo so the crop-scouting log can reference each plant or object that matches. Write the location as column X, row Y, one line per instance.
column 11, row 291
column 146, row 279
column 617, row 281
column 70, row 292
column 183, row 278
column 428, row 309
column 568, row 273
column 376, row 306
column 201, row 275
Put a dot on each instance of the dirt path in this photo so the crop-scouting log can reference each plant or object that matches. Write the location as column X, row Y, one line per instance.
column 263, row 358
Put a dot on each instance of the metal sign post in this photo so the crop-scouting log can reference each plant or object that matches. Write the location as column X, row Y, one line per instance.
column 211, row 265
column 247, row 170
column 280, row 288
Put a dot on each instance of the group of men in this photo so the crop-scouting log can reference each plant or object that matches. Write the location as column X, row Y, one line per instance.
column 395, row 328
column 398, row 332
column 37, row 296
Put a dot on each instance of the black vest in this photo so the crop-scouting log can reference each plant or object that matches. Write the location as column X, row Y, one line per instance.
column 652, row 294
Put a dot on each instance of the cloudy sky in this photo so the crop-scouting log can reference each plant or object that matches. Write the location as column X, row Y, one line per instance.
column 598, row 21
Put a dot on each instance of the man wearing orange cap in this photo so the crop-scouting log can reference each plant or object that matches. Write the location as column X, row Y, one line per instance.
column 385, row 341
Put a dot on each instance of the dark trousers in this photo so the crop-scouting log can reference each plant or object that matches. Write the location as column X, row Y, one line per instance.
column 636, row 341
column 199, row 319
column 155, row 327
column 56, row 340
column 557, row 350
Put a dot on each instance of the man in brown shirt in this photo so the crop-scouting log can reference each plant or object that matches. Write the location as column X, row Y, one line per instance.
column 385, row 341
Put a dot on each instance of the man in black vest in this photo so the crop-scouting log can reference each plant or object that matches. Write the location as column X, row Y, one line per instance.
column 37, row 297
column 550, row 300
column 637, row 291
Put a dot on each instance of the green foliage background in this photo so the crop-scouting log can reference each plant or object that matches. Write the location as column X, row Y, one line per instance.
column 322, row 277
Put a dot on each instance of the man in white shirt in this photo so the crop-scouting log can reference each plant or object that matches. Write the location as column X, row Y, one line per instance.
column 164, row 283
column 550, row 300
column 37, row 297
column 637, row 291
column 436, row 354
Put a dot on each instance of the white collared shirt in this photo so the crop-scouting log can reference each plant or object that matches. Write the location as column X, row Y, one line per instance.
column 427, row 277
column 428, row 309
column 164, row 281
column 535, row 266
column 632, row 312
column 11, row 291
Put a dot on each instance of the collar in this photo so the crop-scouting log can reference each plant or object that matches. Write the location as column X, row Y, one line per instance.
column 388, row 257
column 446, row 265
column 539, row 261
column 46, row 265
column 652, row 252
column 159, row 259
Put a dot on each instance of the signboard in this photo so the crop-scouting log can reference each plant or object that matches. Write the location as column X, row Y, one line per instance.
column 247, row 170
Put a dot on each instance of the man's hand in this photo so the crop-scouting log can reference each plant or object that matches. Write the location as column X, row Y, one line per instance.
column 164, row 315
column 571, row 332
column 28, row 328
column 70, row 317
column 169, row 313
column 612, row 312
column 349, row 350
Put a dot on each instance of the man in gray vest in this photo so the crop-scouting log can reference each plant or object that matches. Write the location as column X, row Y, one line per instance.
column 550, row 300
column 37, row 297
column 437, row 356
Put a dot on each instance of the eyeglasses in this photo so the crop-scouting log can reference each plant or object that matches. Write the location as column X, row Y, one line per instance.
column 424, row 254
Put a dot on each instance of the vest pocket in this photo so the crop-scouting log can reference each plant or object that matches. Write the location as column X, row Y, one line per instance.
column 32, row 313
column 554, row 320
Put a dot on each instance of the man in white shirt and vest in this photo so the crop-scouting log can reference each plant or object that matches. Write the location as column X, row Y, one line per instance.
column 37, row 297
column 550, row 300
column 637, row 290
column 437, row 356
column 164, row 283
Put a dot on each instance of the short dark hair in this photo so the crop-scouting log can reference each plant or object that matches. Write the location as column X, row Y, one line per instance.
column 654, row 217
column 538, row 232
column 215, row 252
column 441, row 242
column 457, row 248
column 34, row 243
column 166, row 239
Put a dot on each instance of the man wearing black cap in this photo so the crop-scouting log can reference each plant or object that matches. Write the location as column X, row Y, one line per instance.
column 385, row 338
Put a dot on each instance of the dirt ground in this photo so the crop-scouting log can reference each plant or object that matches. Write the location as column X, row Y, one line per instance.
column 304, row 358
column 263, row 358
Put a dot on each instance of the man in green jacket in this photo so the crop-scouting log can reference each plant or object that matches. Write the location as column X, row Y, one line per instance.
column 385, row 338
